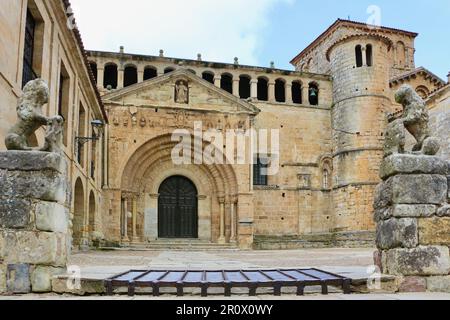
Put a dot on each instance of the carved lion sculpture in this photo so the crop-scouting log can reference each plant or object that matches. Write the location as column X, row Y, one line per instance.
column 416, row 120
column 30, row 119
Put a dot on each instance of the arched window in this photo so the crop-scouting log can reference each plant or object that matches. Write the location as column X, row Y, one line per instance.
column 93, row 67
column 244, row 87
column 263, row 88
column 130, row 76
column 81, row 133
column 369, row 55
column 150, row 73
column 422, row 91
column 168, row 70
column 326, row 179
column 208, row 76
column 192, row 71
column 297, row 92
column 358, row 53
column 227, row 82
column 110, row 78
column 313, row 94
column 280, row 90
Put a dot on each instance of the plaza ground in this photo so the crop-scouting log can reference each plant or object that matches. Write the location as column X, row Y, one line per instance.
column 353, row 263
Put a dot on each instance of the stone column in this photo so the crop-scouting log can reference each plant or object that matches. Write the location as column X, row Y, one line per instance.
column 120, row 78
column 233, row 220
column 35, row 239
column 140, row 76
column 236, row 87
column 100, row 78
column 271, row 91
column 135, row 213
column 254, row 89
column 222, row 239
column 125, row 219
column 364, row 57
column 288, row 89
column 305, row 95
column 217, row 81
column 413, row 221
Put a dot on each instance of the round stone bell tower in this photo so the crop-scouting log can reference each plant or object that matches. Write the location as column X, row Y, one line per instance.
column 360, row 71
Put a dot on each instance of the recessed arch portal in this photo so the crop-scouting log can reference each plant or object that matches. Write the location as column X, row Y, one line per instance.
column 178, row 208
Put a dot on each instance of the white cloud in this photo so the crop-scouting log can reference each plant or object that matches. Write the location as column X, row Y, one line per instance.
column 219, row 29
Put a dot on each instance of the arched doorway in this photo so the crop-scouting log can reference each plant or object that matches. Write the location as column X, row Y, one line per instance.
column 177, row 209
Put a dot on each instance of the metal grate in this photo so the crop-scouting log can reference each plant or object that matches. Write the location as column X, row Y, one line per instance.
column 251, row 279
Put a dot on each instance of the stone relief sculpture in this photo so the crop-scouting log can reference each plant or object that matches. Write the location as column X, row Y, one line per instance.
column 415, row 119
column 181, row 92
column 29, row 112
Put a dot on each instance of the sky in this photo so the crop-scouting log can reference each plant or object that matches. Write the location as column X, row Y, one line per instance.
column 255, row 31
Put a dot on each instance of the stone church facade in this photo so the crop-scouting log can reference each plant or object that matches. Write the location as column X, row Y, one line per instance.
column 330, row 114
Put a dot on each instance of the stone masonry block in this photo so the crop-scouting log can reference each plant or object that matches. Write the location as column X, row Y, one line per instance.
column 51, row 217
column 40, row 185
column 397, row 233
column 383, row 195
column 32, row 161
column 18, row 278
column 413, row 284
column 412, row 164
column 438, row 284
column 35, row 247
column 41, row 278
column 418, row 189
column 420, row 261
column 413, row 211
column 444, row 211
column 15, row 213
column 434, row 231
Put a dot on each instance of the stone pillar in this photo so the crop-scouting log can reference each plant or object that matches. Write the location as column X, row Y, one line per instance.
column 35, row 237
column 135, row 213
column 364, row 56
column 233, row 220
column 120, row 78
column 305, row 95
column 140, row 76
column 100, row 78
column 217, row 81
column 236, row 87
column 413, row 221
column 288, row 88
column 222, row 238
column 254, row 89
column 271, row 91
column 125, row 220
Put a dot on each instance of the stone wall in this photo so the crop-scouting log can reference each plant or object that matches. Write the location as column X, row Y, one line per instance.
column 413, row 217
column 35, row 238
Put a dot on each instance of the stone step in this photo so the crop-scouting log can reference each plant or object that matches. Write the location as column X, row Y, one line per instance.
column 164, row 245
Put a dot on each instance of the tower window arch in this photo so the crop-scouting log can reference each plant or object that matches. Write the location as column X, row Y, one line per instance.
column 280, row 91
column 297, row 92
column 169, row 70
column 263, row 89
column 150, row 73
column 226, row 83
column 244, row 86
column 369, row 55
column 208, row 76
column 358, row 54
column 130, row 76
column 313, row 93
column 110, row 78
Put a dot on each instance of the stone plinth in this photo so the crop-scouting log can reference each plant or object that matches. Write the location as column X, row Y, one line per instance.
column 413, row 224
column 34, row 220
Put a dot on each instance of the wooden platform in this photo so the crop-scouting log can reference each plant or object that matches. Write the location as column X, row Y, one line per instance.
column 227, row 279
